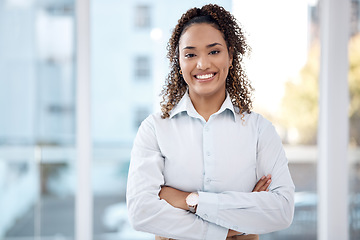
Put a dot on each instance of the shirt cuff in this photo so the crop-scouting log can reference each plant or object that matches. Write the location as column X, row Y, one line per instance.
column 207, row 207
column 216, row 232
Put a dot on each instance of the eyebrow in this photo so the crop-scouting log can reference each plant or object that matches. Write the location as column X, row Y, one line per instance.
column 208, row 46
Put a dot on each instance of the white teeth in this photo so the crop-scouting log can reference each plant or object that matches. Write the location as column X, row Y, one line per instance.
column 205, row 76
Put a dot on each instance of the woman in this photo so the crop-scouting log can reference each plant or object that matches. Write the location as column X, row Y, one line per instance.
column 194, row 166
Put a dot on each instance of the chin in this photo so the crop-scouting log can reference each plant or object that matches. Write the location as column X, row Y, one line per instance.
column 208, row 92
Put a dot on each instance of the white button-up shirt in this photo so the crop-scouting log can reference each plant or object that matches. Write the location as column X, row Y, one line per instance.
column 222, row 159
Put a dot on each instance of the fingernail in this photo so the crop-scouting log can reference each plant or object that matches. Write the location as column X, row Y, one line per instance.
column 262, row 178
column 268, row 181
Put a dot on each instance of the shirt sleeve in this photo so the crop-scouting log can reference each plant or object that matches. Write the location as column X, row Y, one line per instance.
column 146, row 211
column 256, row 212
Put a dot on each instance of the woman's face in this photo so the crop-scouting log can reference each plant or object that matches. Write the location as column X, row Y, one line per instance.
column 204, row 60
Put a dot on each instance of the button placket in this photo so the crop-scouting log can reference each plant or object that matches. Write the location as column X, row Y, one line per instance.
column 206, row 134
column 206, row 144
column 207, row 157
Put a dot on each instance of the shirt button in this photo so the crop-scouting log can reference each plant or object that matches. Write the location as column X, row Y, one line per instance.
column 206, row 129
column 208, row 153
column 205, row 216
column 208, row 180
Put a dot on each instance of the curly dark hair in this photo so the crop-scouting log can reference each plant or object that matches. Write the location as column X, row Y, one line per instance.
column 237, row 83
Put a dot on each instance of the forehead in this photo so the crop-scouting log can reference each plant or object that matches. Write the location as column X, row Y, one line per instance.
column 201, row 34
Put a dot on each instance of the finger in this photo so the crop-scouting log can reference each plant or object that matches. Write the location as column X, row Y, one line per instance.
column 263, row 184
column 266, row 186
column 267, row 183
column 260, row 184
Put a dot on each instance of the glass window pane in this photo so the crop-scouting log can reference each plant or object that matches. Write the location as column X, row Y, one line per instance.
column 354, row 118
column 284, row 68
column 37, row 128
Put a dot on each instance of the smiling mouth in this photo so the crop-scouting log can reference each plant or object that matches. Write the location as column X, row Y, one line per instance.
column 204, row 76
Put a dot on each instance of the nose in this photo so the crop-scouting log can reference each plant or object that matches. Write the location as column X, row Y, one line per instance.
column 203, row 63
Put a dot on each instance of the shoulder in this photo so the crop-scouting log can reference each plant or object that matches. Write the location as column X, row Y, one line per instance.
column 147, row 129
column 258, row 125
column 150, row 120
column 253, row 119
column 265, row 128
column 153, row 120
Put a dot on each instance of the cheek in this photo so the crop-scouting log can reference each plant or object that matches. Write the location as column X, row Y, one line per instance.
column 183, row 66
column 222, row 63
column 186, row 69
column 185, row 79
column 225, row 73
column 185, row 73
column 225, row 69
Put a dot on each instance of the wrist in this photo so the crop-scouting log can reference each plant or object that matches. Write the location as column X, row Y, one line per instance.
column 192, row 201
column 182, row 201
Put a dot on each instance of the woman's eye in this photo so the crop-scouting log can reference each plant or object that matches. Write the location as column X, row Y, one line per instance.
column 189, row 55
column 214, row 52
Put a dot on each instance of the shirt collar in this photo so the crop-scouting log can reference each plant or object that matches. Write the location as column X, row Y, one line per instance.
column 185, row 105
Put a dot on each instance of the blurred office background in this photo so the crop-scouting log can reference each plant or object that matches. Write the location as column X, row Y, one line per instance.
column 128, row 67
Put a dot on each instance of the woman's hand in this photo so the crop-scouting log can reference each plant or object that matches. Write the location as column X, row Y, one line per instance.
column 263, row 184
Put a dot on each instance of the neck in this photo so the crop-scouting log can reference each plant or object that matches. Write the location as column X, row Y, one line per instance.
column 207, row 105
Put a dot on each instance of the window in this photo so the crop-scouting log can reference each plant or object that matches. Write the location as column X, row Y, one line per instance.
column 142, row 67
column 140, row 114
column 37, row 123
column 55, row 111
column 142, row 16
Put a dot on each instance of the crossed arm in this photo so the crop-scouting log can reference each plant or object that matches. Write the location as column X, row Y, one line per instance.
column 216, row 212
column 177, row 198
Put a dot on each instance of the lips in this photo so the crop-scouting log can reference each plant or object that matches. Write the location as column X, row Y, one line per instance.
column 205, row 76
